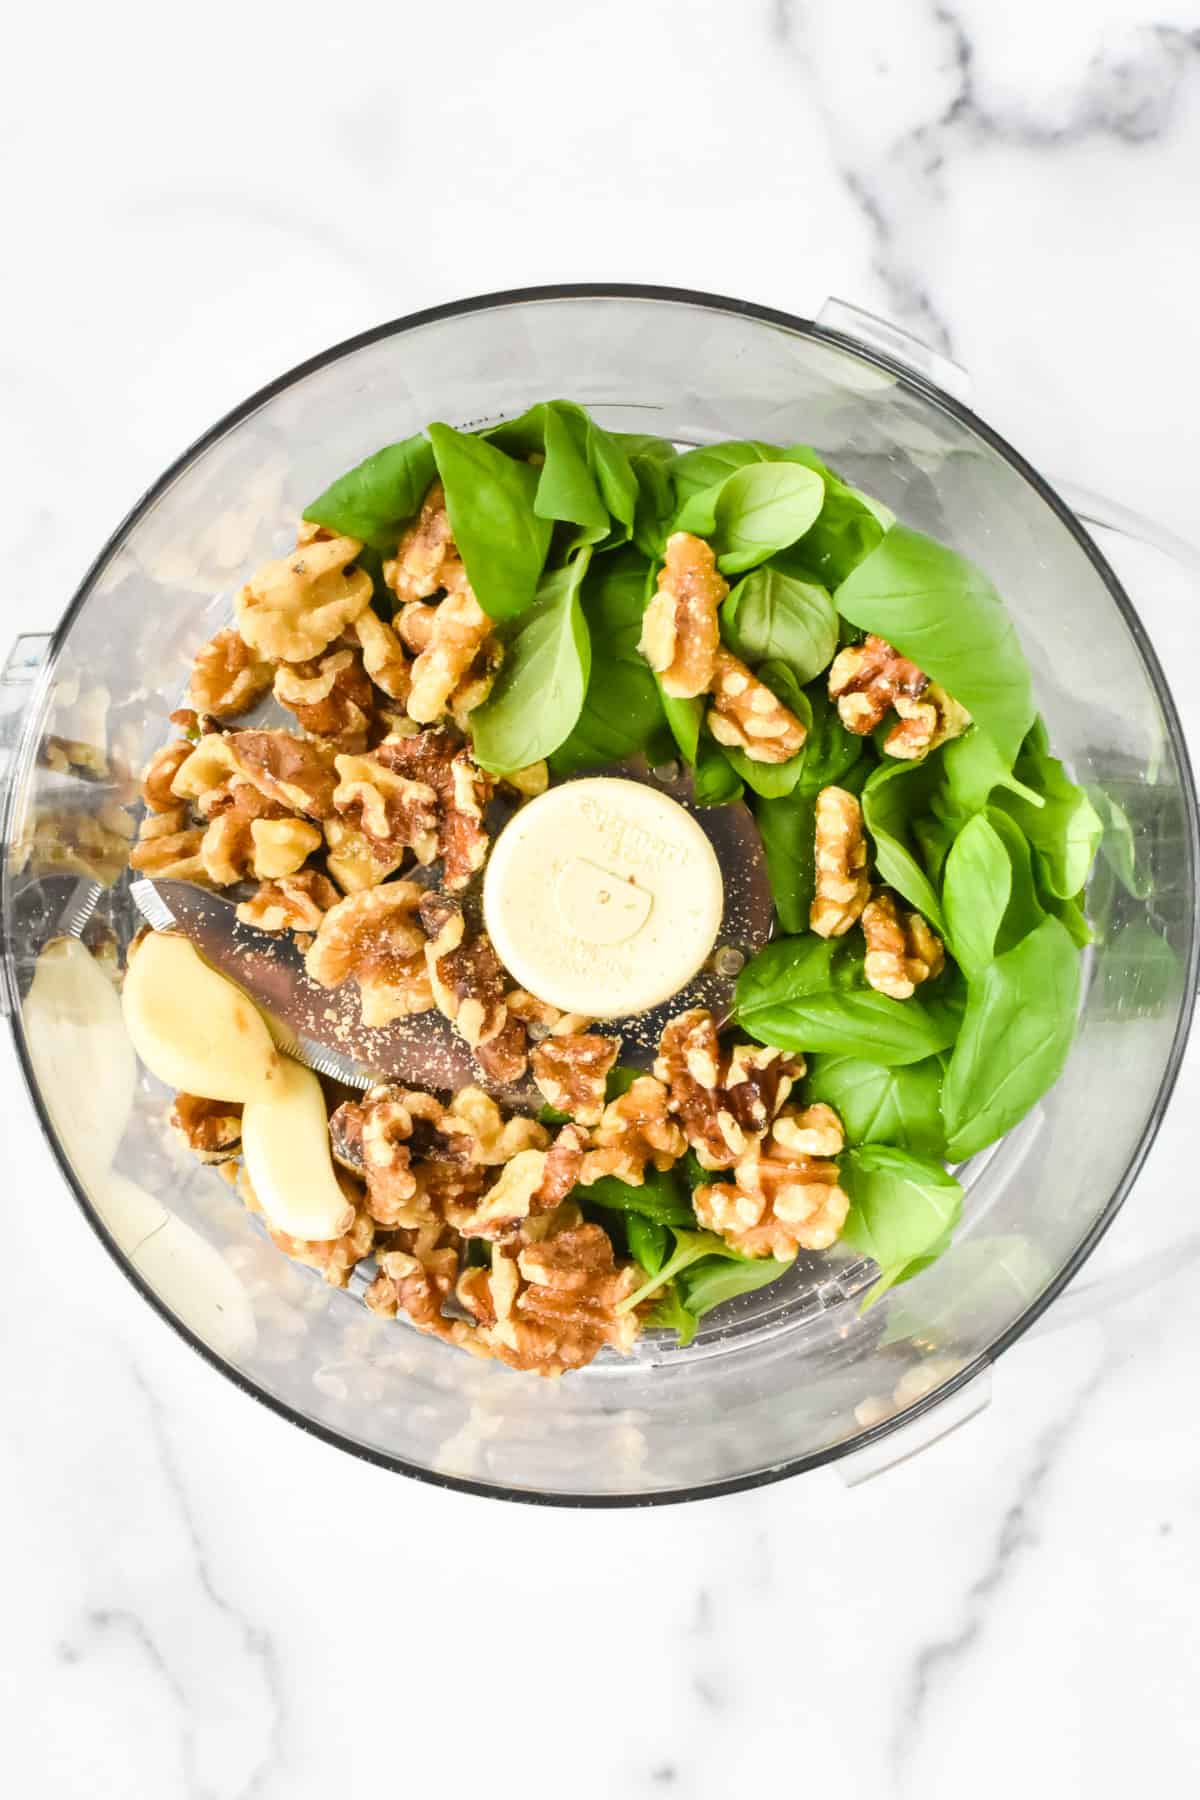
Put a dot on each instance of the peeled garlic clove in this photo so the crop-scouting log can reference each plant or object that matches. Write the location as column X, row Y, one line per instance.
column 194, row 1029
column 285, row 1143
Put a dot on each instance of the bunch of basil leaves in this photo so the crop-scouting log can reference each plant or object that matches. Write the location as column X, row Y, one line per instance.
column 561, row 525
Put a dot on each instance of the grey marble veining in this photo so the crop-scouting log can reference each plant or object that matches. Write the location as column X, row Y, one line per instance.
column 199, row 1601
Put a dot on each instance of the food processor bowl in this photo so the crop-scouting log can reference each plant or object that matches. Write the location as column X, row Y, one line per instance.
column 782, row 1380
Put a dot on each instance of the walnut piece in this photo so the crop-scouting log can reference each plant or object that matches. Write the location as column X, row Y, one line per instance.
column 355, row 861
column 635, row 1129
column 459, row 631
column 541, row 1019
column 384, row 1137
column 416, row 1277
column 533, row 1182
column 436, row 759
column 211, row 1129
column 293, row 609
column 291, row 771
column 680, row 637
column 571, row 1072
column 785, row 1195
column 172, row 855
column 841, row 885
column 867, row 679
column 161, row 771
column 374, row 938
column 902, row 950
column 468, row 984
column 925, row 724
column 227, row 677
column 550, row 1304
column 395, row 812
column 383, row 655
column 250, row 835
column 334, row 1258
column 746, row 715
column 289, row 902
column 722, row 1098
column 330, row 696
column 426, row 559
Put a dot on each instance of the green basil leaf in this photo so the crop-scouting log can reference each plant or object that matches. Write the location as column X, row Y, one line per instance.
column 671, row 1314
column 830, row 751
column 878, row 1105
column 1065, row 827
column 762, row 509
column 622, row 713
column 903, row 1211
column 976, row 889
column 714, row 1281
column 661, row 1197
column 972, row 768
column 715, row 781
column 649, row 1242
column 847, row 528
column 684, row 719
column 690, row 1246
column 1015, row 1038
column 809, row 994
column 943, row 613
column 376, row 500
column 892, row 797
column 655, row 503
column 1119, row 845
column 610, row 465
column 522, row 437
column 490, row 500
column 787, row 828
column 1024, row 911
column 699, row 475
column 539, row 692
column 774, row 616
column 566, row 487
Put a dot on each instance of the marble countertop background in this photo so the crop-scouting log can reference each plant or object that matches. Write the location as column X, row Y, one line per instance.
column 196, row 1600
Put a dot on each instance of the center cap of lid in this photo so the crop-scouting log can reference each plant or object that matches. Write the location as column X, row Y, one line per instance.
column 603, row 897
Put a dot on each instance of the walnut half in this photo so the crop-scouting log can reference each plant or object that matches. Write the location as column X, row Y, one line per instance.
column 785, row 1194
column 680, row 636
column 841, row 883
column 902, row 950
column 746, row 715
column 375, row 939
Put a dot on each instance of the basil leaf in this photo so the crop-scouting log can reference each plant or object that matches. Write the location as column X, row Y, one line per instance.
column 976, row 889
column 878, row 1105
column 830, row 751
column 376, row 500
column 714, row 1281
column 892, row 797
column 847, row 528
column 761, row 509
column 684, row 719
column 715, row 781
column 1015, row 1038
column 655, row 503
column 903, row 1211
column 788, row 829
column 649, row 1241
column 1024, row 911
column 500, row 538
column 1065, row 827
column 972, row 768
column 609, row 462
column 672, row 1315
column 776, row 616
column 808, row 994
column 690, row 1246
column 661, row 1197
column 566, row 487
column 622, row 713
column 539, row 692
column 943, row 613
column 699, row 475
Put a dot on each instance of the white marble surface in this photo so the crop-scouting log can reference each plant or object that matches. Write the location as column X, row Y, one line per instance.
column 198, row 1601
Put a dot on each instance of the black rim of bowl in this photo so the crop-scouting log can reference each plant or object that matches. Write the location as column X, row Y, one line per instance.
column 929, row 391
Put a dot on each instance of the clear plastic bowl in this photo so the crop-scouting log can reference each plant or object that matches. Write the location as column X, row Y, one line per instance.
column 785, row 1379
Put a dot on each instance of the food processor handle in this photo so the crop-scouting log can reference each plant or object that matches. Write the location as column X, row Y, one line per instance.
column 18, row 686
